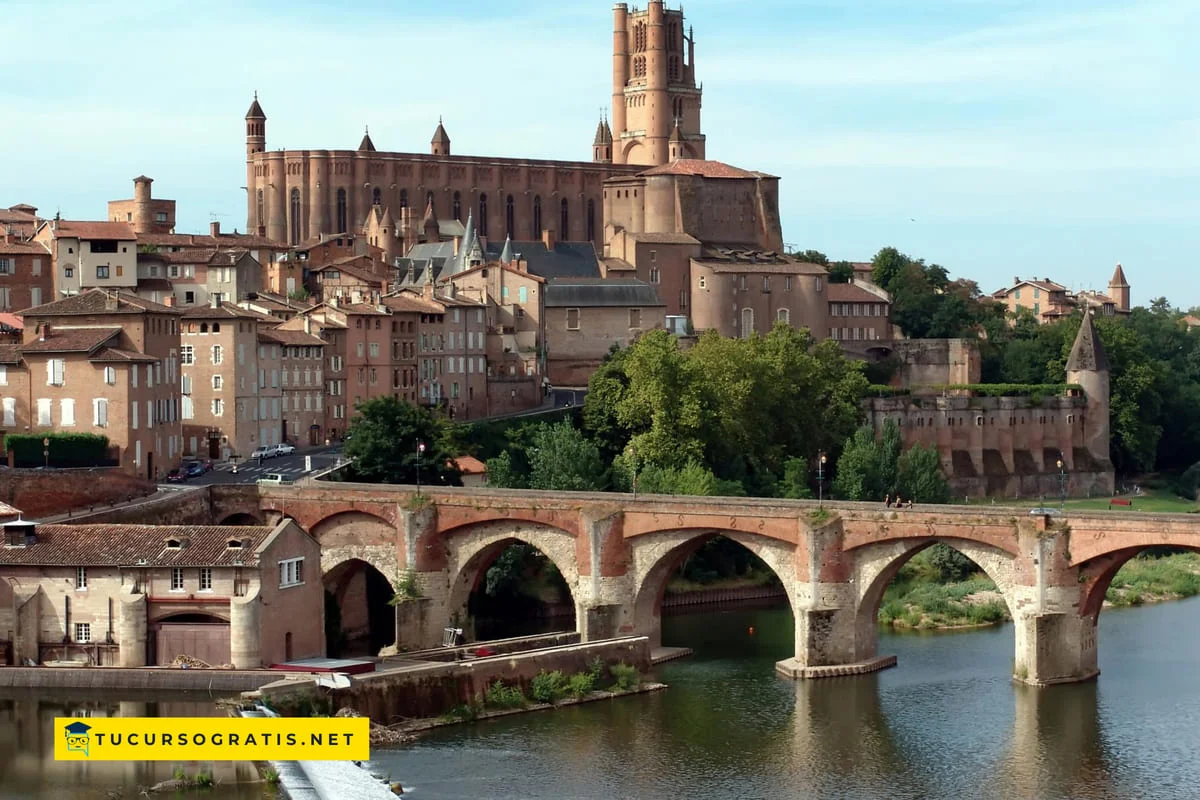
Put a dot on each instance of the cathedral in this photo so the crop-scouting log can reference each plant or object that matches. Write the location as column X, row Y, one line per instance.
column 297, row 195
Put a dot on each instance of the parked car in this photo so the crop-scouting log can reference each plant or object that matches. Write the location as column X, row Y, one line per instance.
column 1045, row 512
column 177, row 475
column 262, row 452
column 274, row 479
column 285, row 449
column 194, row 469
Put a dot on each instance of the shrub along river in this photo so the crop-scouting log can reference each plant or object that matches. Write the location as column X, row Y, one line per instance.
column 947, row 723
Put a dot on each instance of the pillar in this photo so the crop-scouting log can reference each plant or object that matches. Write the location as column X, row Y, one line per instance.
column 419, row 623
column 275, row 182
column 605, row 596
column 318, row 194
column 131, row 627
column 658, row 101
column 26, row 637
column 620, row 79
column 824, row 601
column 245, row 615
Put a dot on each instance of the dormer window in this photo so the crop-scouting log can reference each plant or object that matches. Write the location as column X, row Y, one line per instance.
column 234, row 544
column 174, row 544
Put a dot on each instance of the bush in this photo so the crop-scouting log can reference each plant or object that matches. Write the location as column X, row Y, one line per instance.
column 596, row 669
column 548, row 687
column 1189, row 482
column 466, row 712
column 581, row 685
column 625, row 677
column 270, row 776
column 951, row 565
column 66, row 449
column 500, row 696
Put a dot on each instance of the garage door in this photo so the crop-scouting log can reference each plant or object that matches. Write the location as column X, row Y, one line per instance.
column 207, row 641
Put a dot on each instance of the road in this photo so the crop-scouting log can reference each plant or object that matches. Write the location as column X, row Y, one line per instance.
column 291, row 467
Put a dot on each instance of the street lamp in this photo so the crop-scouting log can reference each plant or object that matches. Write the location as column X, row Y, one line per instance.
column 420, row 452
column 1062, row 481
column 821, row 458
column 633, row 457
column 46, row 451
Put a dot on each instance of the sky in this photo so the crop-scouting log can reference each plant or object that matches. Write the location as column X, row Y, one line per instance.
column 1039, row 138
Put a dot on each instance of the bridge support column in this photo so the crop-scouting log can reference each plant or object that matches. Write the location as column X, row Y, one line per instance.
column 421, row 621
column 825, row 608
column 605, row 596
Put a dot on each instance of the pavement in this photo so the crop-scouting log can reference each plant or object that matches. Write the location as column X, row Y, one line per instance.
column 292, row 467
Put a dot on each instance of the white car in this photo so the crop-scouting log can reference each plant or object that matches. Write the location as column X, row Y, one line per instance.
column 261, row 453
column 285, row 449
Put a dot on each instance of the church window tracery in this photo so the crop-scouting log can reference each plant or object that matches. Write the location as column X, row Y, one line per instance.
column 341, row 211
column 537, row 217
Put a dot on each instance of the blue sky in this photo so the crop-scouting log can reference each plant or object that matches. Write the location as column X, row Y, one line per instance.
column 995, row 137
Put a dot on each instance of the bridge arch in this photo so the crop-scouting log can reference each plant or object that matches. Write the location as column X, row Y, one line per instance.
column 358, row 535
column 657, row 556
column 243, row 518
column 359, row 616
column 878, row 564
column 474, row 548
column 1096, row 575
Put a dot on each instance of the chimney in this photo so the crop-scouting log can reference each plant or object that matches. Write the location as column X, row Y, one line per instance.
column 548, row 238
column 45, row 328
column 427, row 290
column 214, row 229
column 169, row 301
column 191, row 238
column 212, row 300
column 110, row 302
column 308, row 325
column 1016, row 279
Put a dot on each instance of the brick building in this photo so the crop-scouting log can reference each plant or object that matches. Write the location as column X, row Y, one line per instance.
column 90, row 255
column 136, row 595
column 107, row 363
column 858, row 314
column 350, row 278
column 1050, row 301
column 585, row 317
column 19, row 221
column 144, row 213
column 26, row 274
column 302, row 384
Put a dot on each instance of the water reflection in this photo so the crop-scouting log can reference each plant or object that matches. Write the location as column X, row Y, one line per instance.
column 28, row 768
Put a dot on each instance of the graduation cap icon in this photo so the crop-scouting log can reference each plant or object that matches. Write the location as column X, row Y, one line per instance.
column 78, row 729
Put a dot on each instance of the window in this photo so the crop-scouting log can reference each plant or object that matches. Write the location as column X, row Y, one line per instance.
column 635, row 318
column 508, row 215
column 654, row 275
column 341, row 211
column 703, row 282
column 218, row 407
column 783, row 315
column 766, row 284
column 176, row 579
column 81, row 579
column 572, row 319
column 68, row 272
column 374, row 349
column 10, row 411
column 456, row 206
column 187, row 355
column 291, row 572
column 217, row 354
column 35, row 296
column 55, row 372
column 110, row 376
column 206, row 579
column 483, row 218
column 523, row 294
column 43, row 407
column 67, row 411
column 100, row 412
column 6, row 266
column 83, row 632
column 564, row 220
column 537, row 217
column 218, row 383
column 187, row 407
column 102, row 272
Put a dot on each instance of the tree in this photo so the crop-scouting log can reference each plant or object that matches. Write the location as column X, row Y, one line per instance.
column 562, row 459
column 692, row 478
column 812, row 257
column 502, row 474
column 841, row 272
column 383, row 444
column 794, row 484
column 919, row 476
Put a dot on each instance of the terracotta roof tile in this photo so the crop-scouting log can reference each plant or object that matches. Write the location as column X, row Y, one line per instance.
column 111, row 355
column 353, row 271
column 95, row 302
column 705, row 169
column 71, row 340
column 121, row 231
column 470, row 465
column 664, row 238
column 14, row 321
column 10, row 354
column 22, row 249
column 223, row 311
column 848, row 292
column 127, row 545
column 411, row 303
column 293, row 338
column 243, row 240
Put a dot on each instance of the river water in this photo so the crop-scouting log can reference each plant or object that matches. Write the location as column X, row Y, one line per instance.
column 947, row 723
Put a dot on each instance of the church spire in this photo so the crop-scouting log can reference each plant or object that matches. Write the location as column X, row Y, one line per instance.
column 1087, row 354
column 440, row 144
column 366, row 145
column 506, row 254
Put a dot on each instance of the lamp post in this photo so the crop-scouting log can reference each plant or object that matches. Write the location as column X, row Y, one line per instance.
column 821, row 457
column 1062, row 482
column 46, row 451
column 420, row 452
column 633, row 457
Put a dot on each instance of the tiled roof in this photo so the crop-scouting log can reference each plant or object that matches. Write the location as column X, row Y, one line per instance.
column 352, row 270
column 762, row 267
column 22, row 249
column 405, row 302
column 154, row 285
column 71, row 340
column 1118, row 278
column 600, row 292
column 10, row 354
column 848, row 292
column 360, row 308
column 294, row 338
column 227, row 258
column 247, row 241
column 127, row 545
column 121, row 231
column 469, row 465
column 95, row 301
column 705, row 169
column 14, row 321
column 505, row 267
column 223, row 311
column 111, row 355
column 664, row 238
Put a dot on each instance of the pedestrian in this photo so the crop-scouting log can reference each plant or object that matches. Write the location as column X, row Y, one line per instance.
column 909, row 504
column 887, row 501
column 899, row 502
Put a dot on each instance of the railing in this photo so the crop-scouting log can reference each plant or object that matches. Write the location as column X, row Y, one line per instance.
column 711, row 596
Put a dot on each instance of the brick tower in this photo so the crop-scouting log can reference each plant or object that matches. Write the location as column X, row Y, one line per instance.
column 256, row 142
column 654, row 85
column 1088, row 367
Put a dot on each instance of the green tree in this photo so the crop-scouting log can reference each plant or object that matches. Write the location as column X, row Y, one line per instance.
column 383, row 444
column 812, row 257
column 502, row 474
column 841, row 272
column 794, row 484
column 919, row 476
column 692, row 478
column 562, row 459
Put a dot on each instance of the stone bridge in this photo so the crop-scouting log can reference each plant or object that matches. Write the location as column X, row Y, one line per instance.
column 616, row 554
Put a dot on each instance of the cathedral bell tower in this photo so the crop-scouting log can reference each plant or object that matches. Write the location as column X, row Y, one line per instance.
column 654, row 87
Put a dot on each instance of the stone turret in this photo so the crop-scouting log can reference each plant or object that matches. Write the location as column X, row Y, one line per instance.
column 602, row 143
column 506, row 254
column 440, row 144
column 1118, row 289
column 366, row 145
column 1088, row 367
column 429, row 225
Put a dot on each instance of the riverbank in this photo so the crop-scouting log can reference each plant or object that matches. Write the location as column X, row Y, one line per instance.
column 918, row 600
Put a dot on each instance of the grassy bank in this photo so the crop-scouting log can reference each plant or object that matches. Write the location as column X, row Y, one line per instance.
column 1151, row 500
column 919, row 599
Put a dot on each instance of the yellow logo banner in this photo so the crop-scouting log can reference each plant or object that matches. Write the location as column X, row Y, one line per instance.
column 212, row 739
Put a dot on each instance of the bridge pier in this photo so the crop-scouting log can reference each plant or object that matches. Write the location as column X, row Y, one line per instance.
column 1055, row 647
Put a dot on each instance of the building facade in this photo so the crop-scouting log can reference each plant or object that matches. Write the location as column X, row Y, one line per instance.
column 1049, row 301
column 585, row 317
column 89, row 255
column 26, row 274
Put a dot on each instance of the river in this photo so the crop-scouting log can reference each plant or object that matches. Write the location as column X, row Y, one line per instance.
column 947, row 723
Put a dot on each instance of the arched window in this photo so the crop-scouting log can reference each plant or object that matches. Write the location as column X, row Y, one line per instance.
column 591, row 220
column 376, row 197
column 673, row 68
column 483, row 215
column 456, row 207
column 564, row 221
column 404, row 198
column 537, row 217
column 508, row 216
column 261, row 211
column 639, row 37
column 783, row 315
column 341, row 211
column 747, row 322
column 295, row 216
column 672, row 36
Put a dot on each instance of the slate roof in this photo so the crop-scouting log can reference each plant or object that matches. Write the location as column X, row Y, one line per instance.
column 566, row 260
column 71, row 340
column 1087, row 354
column 94, row 302
column 125, row 545
column 600, row 292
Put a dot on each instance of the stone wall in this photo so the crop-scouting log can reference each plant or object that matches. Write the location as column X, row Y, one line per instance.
column 190, row 506
column 936, row 362
column 42, row 492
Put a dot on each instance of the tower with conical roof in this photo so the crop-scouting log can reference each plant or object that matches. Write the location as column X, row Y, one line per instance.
column 602, row 144
column 256, row 142
column 366, row 145
column 1118, row 289
column 1088, row 367
column 429, row 225
column 440, row 144
column 506, row 253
